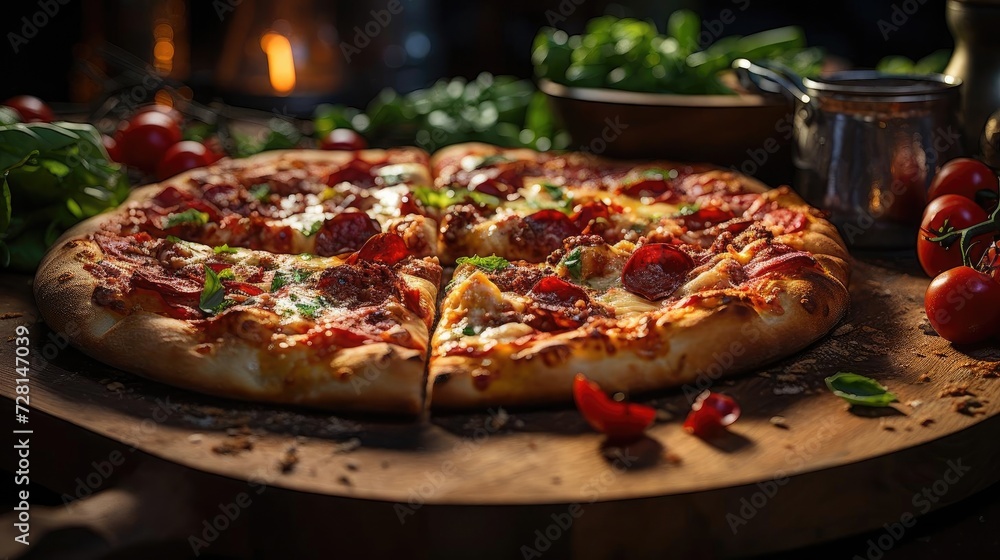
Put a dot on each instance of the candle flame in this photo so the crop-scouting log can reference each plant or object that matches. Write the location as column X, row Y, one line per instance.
column 280, row 62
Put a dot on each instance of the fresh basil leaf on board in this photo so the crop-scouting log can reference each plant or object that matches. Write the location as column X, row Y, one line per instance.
column 859, row 390
column 53, row 176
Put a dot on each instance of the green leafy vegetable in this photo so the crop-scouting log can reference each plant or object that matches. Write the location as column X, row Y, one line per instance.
column 52, row 175
column 189, row 216
column 573, row 262
column 282, row 279
column 281, row 135
column 859, row 390
column 492, row 263
column 631, row 54
column 224, row 248
column 310, row 309
column 260, row 191
column 555, row 192
column 213, row 294
column 492, row 160
column 501, row 110
column 313, row 228
column 469, row 330
column 435, row 198
column 687, row 210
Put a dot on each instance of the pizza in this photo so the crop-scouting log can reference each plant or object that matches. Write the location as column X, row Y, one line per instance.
column 393, row 280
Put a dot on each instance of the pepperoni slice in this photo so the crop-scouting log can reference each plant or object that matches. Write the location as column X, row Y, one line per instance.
column 386, row 248
column 646, row 186
column 554, row 291
column 175, row 291
column 588, row 213
column 707, row 216
column 549, row 228
column 345, row 233
column 356, row 172
column 656, row 270
column 777, row 259
column 170, row 196
column 492, row 187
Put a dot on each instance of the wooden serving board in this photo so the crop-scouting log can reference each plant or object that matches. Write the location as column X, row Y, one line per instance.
column 799, row 467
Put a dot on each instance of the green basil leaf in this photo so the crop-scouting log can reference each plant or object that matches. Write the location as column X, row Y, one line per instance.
column 213, row 294
column 859, row 390
column 686, row 210
column 555, row 192
column 261, row 192
column 189, row 216
column 224, row 248
column 492, row 263
column 435, row 198
column 573, row 262
column 313, row 228
column 469, row 330
column 492, row 160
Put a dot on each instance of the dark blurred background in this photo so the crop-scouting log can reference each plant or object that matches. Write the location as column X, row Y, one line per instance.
column 54, row 50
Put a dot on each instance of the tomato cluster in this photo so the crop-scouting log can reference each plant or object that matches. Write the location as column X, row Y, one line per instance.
column 958, row 246
column 151, row 140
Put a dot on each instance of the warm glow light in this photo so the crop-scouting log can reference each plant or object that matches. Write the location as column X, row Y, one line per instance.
column 164, row 98
column 280, row 62
column 163, row 55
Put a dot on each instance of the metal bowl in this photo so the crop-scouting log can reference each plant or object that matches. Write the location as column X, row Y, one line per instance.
column 748, row 132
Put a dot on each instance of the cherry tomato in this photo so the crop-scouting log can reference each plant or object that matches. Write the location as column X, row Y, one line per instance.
column 174, row 114
column 215, row 150
column 620, row 421
column 991, row 261
column 145, row 139
column 947, row 213
column 112, row 147
column 963, row 305
column 343, row 139
column 710, row 413
column 31, row 108
column 182, row 156
column 965, row 177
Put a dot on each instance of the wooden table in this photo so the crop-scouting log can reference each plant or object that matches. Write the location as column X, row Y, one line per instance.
column 798, row 468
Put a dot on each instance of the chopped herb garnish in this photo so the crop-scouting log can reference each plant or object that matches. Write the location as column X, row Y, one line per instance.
column 657, row 173
column 687, row 210
column 492, row 160
column 444, row 198
column 310, row 309
column 313, row 228
column 282, row 279
column 260, row 191
column 224, row 248
column 555, row 192
column 492, row 263
column 573, row 262
column 469, row 330
column 190, row 216
column 306, row 256
column 859, row 390
column 213, row 294
column 174, row 239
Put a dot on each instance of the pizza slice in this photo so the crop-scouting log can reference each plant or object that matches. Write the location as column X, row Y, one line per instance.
column 631, row 316
column 322, row 203
column 521, row 205
column 348, row 332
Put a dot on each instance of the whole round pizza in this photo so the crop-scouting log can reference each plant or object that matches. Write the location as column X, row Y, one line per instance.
column 390, row 280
